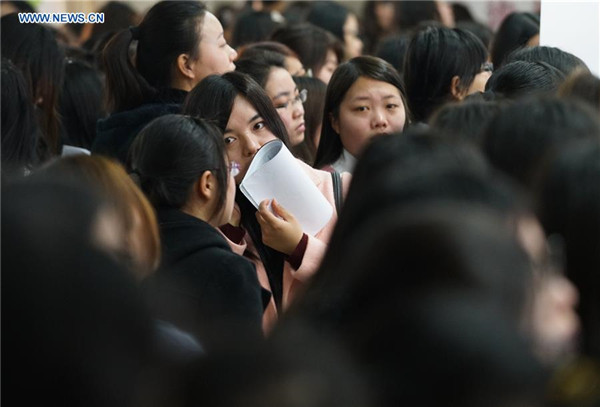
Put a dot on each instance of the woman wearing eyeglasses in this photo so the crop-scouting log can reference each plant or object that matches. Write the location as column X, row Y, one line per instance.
column 270, row 73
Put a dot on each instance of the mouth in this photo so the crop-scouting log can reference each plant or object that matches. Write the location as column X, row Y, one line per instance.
column 301, row 127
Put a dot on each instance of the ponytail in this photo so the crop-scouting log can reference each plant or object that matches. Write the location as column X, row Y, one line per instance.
column 126, row 88
column 139, row 61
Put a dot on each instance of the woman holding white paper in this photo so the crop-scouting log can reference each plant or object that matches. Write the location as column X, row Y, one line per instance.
column 271, row 237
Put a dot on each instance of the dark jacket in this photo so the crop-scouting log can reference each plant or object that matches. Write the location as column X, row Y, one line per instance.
column 115, row 134
column 203, row 287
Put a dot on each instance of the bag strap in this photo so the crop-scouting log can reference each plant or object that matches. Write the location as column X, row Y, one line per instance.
column 337, row 190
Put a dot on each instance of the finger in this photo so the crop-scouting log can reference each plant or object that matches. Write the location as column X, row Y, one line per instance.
column 260, row 219
column 280, row 210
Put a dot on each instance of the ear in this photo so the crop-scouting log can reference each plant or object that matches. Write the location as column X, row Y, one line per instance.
column 205, row 186
column 455, row 90
column 185, row 66
column 335, row 123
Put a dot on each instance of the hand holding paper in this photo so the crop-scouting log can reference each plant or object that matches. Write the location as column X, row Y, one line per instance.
column 280, row 229
column 275, row 173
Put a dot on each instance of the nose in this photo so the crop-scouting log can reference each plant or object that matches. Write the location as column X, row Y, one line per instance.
column 250, row 146
column 297, row 110
column 379, row 120
column 233, row 54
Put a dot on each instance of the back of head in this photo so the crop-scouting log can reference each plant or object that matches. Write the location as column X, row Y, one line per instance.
column 434, row 57
column 34, row 49
column 465, row 121
column 64, row 290
column 416, row 168
column 569, row 207
column 140, row 246
column 582, row 85
column 297, row 367
column 171, row 153
column 518, row 139
column 19, row 127
column 253, row 26
column 514, row 32
column 520, row 78
column 170, row 28
column 80, row 104
column 447, row 341
column 564, row 61
column 406, row 253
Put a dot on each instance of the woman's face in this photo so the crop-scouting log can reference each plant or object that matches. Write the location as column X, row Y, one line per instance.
column 284, row 95
column 216, row 56
column 385, row 13
column 294, row 66
column 245, row 134
column 331, row 63
column 353, row 43
column 369, row 108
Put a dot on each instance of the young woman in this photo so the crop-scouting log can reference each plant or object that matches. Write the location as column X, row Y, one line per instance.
column 138, row 243
column 176, row 45
column 259, row 49
column 365, row 98
column 19, row 127
column 339, row 21
column 313, row 117
column 284, row 255
column 443, row 65
column 319, row 51
column 203, row 287
column 270, row 73
column 35, row 51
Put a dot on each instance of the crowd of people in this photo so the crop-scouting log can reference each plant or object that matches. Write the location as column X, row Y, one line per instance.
column 460, row 265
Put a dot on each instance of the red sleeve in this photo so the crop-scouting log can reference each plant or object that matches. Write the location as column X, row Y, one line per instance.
column 234, row 233
column 295, row 259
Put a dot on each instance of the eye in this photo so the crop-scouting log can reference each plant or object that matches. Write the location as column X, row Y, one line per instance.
column 361, row 108
column 282, row 105
column 258, row 126
column 229, row 140
column 392, row 106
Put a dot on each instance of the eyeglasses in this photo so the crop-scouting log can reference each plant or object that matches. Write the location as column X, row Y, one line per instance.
column 234, row 168
column 487, row 67
column 300, row 98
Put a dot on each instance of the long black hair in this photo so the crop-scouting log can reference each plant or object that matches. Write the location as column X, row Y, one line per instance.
column 212, row 99
column 19, row 127
column 434, row 56
column 172, row 152
column 34, row 49
column 170, row 28
column 330, row 145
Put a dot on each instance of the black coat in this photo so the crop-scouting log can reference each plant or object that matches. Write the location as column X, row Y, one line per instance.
column 115, row 134
column 203, row 287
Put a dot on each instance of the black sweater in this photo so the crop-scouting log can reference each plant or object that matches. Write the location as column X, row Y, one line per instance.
column 115, row 134
column 202, row 286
